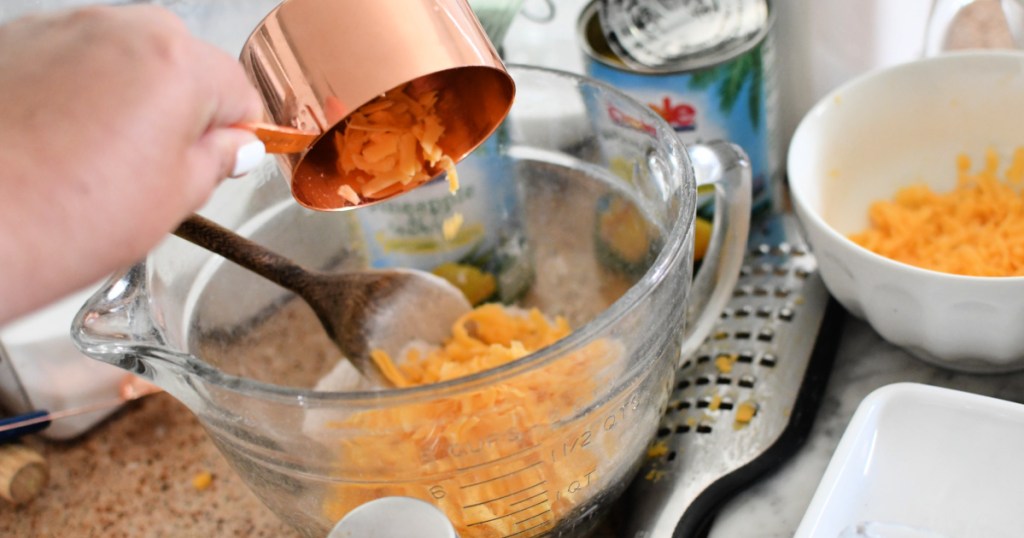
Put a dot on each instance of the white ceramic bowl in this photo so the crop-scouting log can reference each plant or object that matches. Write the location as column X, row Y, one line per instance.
column 886, row 130
column 923, row 462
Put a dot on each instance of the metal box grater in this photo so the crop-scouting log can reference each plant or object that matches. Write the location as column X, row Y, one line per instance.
column 768, row 357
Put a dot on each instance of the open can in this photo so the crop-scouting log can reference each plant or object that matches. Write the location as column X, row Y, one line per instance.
column 725, row 94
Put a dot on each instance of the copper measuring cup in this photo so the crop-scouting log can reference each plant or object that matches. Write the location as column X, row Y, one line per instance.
column 315, row 62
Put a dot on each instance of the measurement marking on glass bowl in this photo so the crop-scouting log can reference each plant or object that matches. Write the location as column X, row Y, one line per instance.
column 499, row 477
column 510, row 514
column 544, row 493
column 542, row 514
column 527, row 488
column 535, row 527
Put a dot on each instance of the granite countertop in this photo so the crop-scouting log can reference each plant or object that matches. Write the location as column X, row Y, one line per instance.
column 133, row 474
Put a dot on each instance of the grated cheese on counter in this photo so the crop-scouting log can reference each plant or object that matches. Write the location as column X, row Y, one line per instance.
column 976, row 229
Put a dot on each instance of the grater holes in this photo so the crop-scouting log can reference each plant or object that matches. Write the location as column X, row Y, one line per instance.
column 671, row 456
column 769, row 360
column 746, row 357
column 664, row 431
column 746, row 381
column 683, row 384
column 744, row 311
column 764, row 311
column 742, row 335
column 786, row 313
column 704, row 402
column 682, row 428
column 703, row 380
column 723, row 380
column 702, row 359
column 766, row 335
column 726, row 404
column 683, row 405
column 703, row 428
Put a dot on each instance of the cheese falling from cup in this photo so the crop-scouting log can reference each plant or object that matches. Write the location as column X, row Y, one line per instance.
column 390, row 145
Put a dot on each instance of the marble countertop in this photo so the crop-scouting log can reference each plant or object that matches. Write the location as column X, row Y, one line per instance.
column 135, row 474
column 774, row 506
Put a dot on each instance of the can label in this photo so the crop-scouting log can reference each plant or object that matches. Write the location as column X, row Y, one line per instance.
column 415, row 230
column 734, row 100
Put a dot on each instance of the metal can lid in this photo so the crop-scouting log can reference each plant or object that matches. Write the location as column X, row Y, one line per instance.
column 681, row 34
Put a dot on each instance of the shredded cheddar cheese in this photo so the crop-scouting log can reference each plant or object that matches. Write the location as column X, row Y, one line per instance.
column 724, row 363
column 745, row 412
column 391, row 145
column 657, row 450
column 976, row 229
column 654, row 475
column 485, row 338
column 513, row 445
column 202, row 480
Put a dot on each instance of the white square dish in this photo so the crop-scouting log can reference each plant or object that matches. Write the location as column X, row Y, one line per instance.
column 925, row 462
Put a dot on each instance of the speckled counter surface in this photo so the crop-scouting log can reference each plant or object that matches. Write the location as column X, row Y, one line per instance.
column 132, row 476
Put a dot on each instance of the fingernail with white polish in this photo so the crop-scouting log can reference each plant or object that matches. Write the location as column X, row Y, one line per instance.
column 248, row 158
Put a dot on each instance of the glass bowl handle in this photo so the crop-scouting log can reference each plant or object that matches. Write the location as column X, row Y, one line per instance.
column 724, row 167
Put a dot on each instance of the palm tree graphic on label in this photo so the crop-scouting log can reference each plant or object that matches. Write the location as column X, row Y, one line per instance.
column 730, row 79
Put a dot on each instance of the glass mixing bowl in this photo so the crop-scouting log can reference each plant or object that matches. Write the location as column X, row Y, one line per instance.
column 581, row 205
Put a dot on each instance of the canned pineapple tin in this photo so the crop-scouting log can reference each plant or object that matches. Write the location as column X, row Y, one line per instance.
column 483, row 251
column 732, row 99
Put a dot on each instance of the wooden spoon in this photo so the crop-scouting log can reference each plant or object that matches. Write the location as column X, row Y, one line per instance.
column 361, row 311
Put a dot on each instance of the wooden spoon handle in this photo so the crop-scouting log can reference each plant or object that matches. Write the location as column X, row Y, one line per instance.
column 250, row 255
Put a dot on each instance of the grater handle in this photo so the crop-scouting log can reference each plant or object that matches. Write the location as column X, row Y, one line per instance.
column 726, row 168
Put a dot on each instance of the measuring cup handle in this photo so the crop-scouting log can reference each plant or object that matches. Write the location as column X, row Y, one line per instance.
column 726, row 168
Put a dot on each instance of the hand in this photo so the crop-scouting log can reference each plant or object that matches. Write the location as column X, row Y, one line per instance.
column 114, row 125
